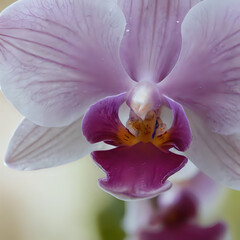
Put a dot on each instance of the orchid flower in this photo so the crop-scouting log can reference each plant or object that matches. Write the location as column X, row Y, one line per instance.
column 178, row 214
column 71, row 63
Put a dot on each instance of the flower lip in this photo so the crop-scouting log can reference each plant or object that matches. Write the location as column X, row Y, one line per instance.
column 139, row 171
column 141, row 163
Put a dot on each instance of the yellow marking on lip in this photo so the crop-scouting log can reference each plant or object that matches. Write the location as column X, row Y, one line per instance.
column 146, row 131
column 125, row 137
column 163, row 140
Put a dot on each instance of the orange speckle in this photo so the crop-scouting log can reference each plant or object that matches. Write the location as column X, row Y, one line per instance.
column 151, row 129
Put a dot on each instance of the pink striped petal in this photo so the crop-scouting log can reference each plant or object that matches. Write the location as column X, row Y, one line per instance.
column 206, row 77
column 34, row 147
column 214, row 154
column 152, row 39
column 58, row 57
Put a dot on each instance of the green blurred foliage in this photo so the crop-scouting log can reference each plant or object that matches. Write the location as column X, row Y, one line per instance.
column 230, row 212
column 110, row 221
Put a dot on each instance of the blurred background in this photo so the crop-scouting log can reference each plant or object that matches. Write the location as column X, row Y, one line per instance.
column 65, row 202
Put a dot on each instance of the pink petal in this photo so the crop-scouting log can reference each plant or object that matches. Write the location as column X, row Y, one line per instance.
column 186, row 232
column 34, row 147
column 101, row 122
column 180, row 131
column 208, row 192
column 184, row 206
column 216, row 155
column 58, row 57
column 204, row 188
column 139, row 171
column 206, row 77
column 152, row 39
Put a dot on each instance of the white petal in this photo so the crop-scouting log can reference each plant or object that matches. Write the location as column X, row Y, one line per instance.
column 206, row 77
column 216, row 155
column 34, row 147
column 138, row 214
column 152, row 39
column 59, row 57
